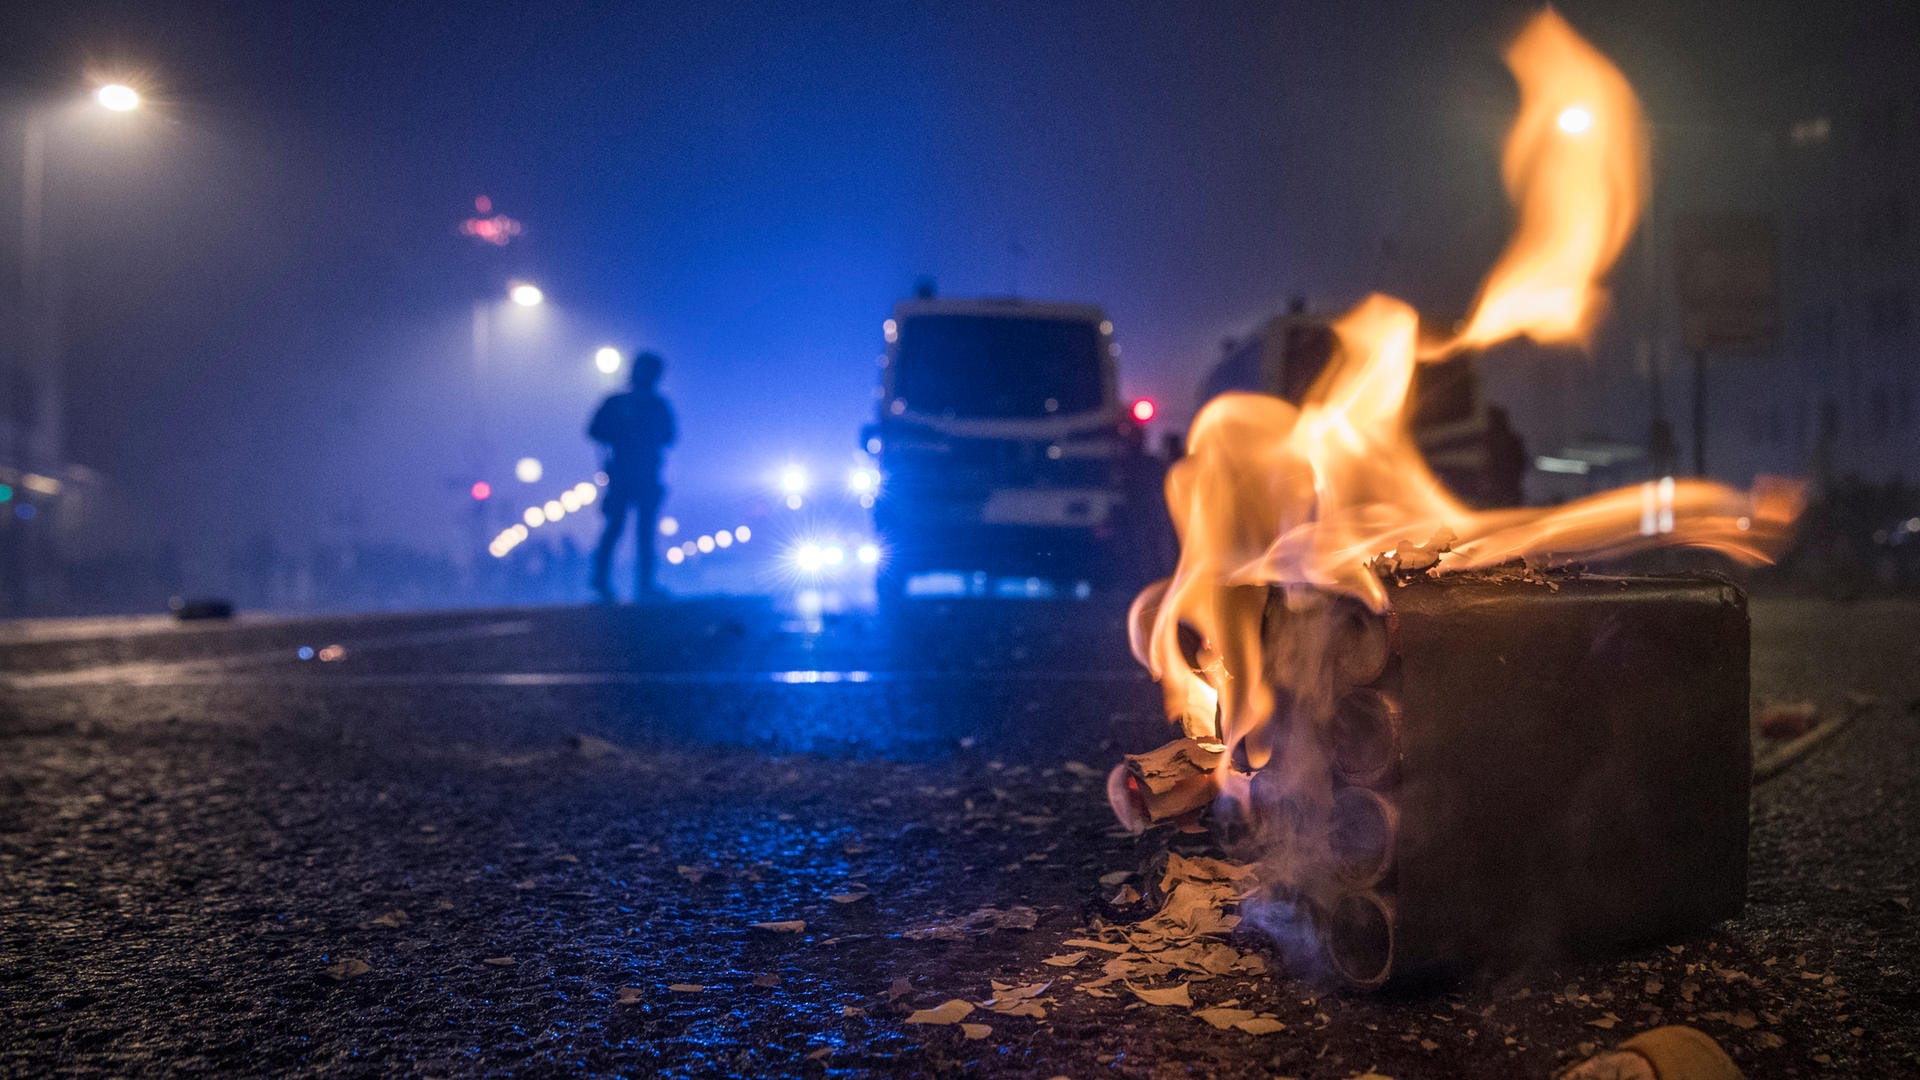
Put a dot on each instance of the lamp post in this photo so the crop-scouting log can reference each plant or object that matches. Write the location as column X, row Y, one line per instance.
column 39, row 416
column 39, row 308
column 522, row 294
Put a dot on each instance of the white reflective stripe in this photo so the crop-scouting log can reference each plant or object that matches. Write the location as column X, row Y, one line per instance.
column 1078, row 507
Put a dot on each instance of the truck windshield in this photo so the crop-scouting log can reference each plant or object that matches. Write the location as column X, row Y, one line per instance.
column 996, row 366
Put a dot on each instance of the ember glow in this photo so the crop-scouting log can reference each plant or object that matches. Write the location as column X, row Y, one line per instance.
column 1318, row 495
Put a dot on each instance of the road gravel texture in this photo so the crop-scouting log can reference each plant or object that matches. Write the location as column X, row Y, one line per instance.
column 539, row 842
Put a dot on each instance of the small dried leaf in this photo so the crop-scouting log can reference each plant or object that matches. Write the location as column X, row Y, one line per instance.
column 686, row 988
column 1224, row 1018
column 900, row 988
column 694, row 874
column 1260, row 1025
column 350, row 967
column 976, row 1031
column 1171, row 995
column 626, row 995
column 1103, row 946
column 1020, row 993
column 498, row 961
column 392, row 920
column 1116, row 877
column 947, row 1012
column 1605, row 1023
column 1065, row 960
column 766, row 980
column 791, row 926
column 848, row 897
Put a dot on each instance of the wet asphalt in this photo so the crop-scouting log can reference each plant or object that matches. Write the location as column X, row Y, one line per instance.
column 536, row 842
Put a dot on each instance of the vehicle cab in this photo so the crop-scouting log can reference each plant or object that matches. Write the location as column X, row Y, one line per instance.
column 1002, row 442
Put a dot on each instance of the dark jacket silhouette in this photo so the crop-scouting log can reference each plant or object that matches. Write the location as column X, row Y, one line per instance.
column 636, row 428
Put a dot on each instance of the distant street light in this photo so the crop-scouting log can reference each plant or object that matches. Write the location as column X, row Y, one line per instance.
column 117, row 97
column 607, row 359
column 1576, row 120
column 526, row 295
column 528, row 470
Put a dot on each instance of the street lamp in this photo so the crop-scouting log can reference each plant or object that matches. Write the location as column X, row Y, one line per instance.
column 117, row 97
column 1576, row 120
column 39, row 333
column 607, row 359
column 526, row 295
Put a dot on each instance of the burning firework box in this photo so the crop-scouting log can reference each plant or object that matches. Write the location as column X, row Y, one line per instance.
column 1525, row 766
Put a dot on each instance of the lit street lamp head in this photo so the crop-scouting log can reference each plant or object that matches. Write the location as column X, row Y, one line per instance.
column 526, row 295
column 1576, row 120
column 117, row 97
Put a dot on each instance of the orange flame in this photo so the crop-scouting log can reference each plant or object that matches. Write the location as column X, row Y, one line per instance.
column 1271, row 494
column 1576, row 170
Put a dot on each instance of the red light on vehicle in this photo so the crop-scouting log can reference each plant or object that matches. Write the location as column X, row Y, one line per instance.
column 1143, row 410
column 481, row 491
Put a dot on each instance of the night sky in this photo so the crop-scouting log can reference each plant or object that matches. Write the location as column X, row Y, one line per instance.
column 268, row 304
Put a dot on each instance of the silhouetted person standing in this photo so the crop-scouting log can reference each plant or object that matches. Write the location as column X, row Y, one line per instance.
column 636, row 428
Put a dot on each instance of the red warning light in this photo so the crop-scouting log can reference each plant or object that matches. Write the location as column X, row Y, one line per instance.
column 483, row 204
column 1143, row 410
column 481, row 491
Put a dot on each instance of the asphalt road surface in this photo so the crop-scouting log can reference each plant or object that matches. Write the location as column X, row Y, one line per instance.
column 539, row 842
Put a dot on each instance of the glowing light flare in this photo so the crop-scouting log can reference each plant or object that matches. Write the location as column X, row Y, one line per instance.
column 1273, row 494
column 534, row 517
column 676, row 556
column 528, row 470
column 742, row 534
column 117, row 97
column 481, row 491
column 863, row 480
column 1143, row 410
column 793, row 480
column 669, row 526
column 526, row 295
column 1575, row 120
column 497, row 229
column 868, row 554
column 705, row 544
column 607, row 359
column 555, row 509
column 723, row 539
column 809, row 557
